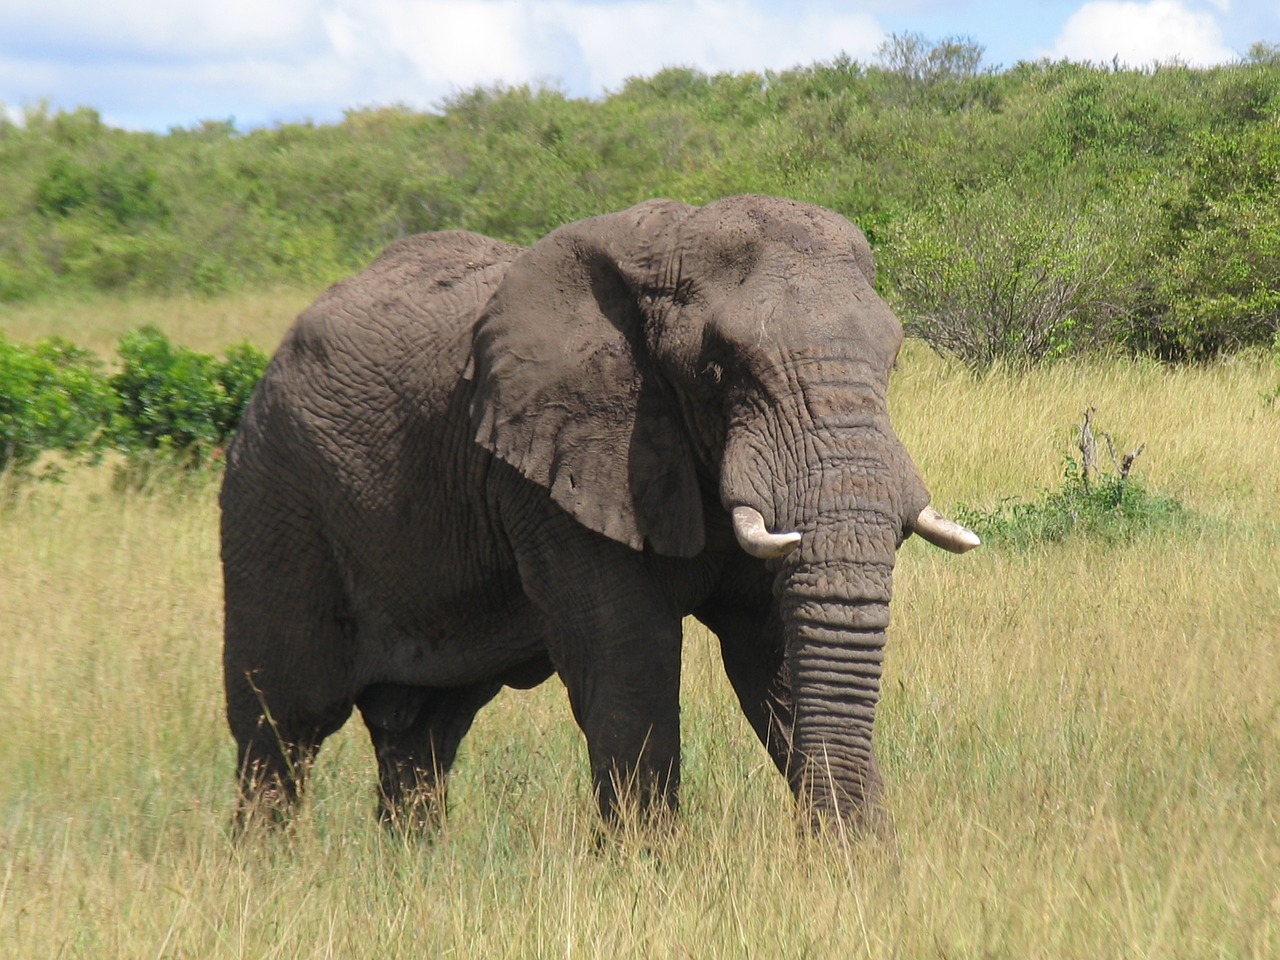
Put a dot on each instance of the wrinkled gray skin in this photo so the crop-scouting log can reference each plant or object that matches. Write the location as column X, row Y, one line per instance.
column 473, row 465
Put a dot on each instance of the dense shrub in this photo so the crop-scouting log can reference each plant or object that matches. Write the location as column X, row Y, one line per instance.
column 1135, row 208
column 166, row 402
column 992, row 276
column 53, row 396
column 1219, row 275
column 178, row 400
column 123, row 191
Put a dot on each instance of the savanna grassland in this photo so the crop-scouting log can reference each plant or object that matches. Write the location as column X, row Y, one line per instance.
column 1081, row 740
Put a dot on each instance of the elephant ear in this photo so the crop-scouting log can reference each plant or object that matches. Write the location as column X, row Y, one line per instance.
column 568, row 393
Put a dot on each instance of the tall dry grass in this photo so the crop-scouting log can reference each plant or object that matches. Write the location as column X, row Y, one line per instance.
column 210, row 324
column 1081, row 742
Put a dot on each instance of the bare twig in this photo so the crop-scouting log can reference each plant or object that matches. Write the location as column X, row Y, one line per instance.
column 1126, row 462
column 1088, row 446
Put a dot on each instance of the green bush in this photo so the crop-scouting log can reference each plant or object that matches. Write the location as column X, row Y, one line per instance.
column 1001, row 276
column 1018, row 214
column 179, row 401
column 1091, row 502
column 1218, row 280
column 165, row 400
column 124, row 190
column 1109, row 508
column 53, row 396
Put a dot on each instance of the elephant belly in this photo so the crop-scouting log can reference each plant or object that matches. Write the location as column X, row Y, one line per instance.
column 462, row 643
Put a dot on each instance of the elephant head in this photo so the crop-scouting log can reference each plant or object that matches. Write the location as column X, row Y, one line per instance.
column 656, row 366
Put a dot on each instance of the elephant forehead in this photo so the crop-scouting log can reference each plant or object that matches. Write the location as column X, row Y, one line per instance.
column 775, row 222
column 827, row 328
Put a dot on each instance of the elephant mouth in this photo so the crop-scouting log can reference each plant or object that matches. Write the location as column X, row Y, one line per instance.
column 756, row 539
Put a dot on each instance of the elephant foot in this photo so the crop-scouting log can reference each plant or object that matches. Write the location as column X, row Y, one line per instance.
column 644, row 800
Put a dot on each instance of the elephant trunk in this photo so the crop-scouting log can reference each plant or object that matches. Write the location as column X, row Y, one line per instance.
column 836, row 614
column 824, row 490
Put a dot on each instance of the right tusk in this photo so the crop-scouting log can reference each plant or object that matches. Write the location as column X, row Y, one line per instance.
column 749, row 528
column 945, row 533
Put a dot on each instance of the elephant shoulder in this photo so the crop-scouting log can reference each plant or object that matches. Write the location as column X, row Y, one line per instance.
column 427, row 278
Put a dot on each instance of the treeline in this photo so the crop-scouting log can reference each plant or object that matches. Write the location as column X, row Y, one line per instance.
column 1020, row 214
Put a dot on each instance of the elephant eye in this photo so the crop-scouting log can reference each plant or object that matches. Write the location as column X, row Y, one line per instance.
column 714, row 371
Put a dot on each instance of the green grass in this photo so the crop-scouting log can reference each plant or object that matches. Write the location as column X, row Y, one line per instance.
column 1081, row 741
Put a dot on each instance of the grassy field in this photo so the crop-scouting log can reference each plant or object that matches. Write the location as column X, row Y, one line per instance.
column 1081, row 742
column 201, row 323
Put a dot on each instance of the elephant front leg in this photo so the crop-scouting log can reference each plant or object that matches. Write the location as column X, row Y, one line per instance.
column 416, row 732
column 625, row 692
column 751, row 647
column 613, row 632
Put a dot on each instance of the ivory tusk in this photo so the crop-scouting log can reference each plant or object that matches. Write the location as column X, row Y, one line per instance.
column 945, row 533
column 749, row 528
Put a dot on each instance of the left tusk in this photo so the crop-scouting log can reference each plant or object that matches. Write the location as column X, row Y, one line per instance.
column 754, row 537
column 945, row 533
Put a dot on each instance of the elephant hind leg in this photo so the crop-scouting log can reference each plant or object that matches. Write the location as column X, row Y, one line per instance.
column 272, row 768
column 416, row 732
column 286, row 657
column 279, row 716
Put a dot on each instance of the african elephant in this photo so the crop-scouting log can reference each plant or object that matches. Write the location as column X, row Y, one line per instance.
column 474, row 464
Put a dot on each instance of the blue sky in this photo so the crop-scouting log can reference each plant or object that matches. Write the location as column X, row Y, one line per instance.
column 155, row 64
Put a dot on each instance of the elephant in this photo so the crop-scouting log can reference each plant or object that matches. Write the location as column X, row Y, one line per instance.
column 475, row 465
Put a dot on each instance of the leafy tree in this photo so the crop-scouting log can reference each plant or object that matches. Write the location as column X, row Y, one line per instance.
column 1264, row 52
column 1218, row 280
column 1156, row 184
column 912, row 56
column 992, row 276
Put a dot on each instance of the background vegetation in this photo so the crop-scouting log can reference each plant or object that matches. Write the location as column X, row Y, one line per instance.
column 1025, row 213
column 166, row 402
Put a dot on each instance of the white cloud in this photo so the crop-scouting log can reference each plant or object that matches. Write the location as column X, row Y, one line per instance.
column 591, row 46
column 157, row 29
column 1144, row 33
column 158, row 62
column 629, row 39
